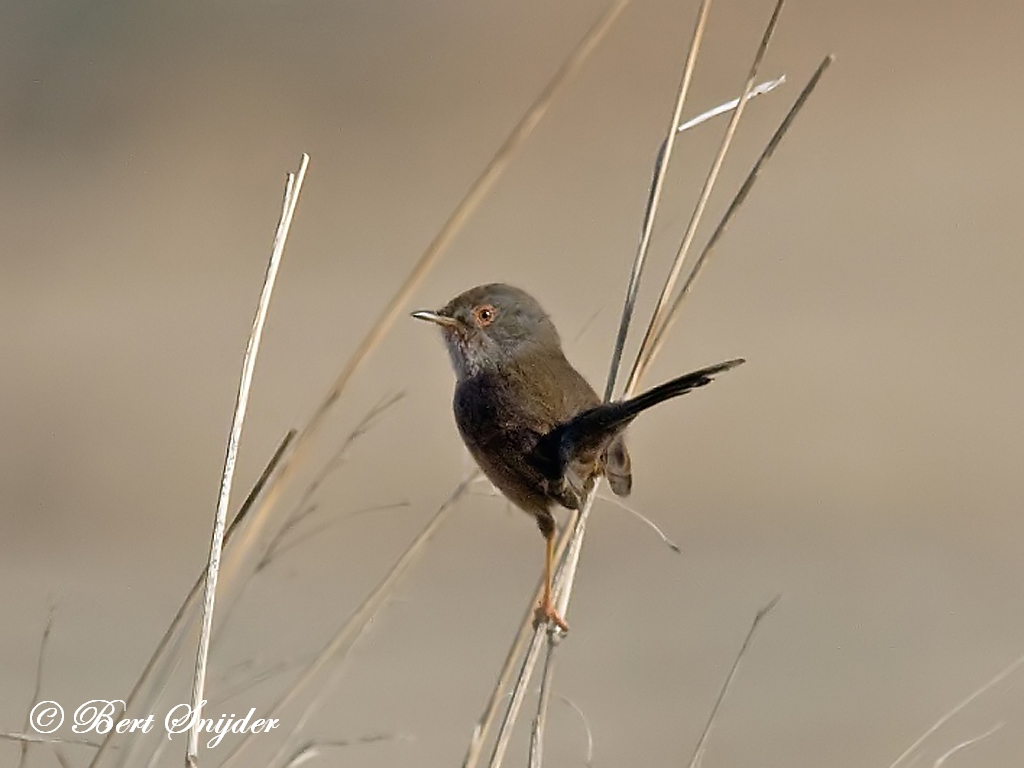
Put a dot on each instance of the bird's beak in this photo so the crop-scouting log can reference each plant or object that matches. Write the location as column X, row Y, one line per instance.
column 434, row 317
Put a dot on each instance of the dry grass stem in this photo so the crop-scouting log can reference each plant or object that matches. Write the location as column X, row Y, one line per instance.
column 572, row 537
column 540, row 721
column 283, row 547
column 251, row 682
column 336, row 650
column 1004, row 673
column 964, row 744
column 758, row 90
column 40, row 662
column 644, row 356
column 586, row 726
column 314, row 749
column 165, row 657
column 469, row 203
column 31, row 738
column 643, row 519
column 566, row 576
column 738, row 200
column 660, row 169
column 291, row 198
column 486, row 722
column 240, row 567
column 303, row 508
column 247, row 552
column 698, row 752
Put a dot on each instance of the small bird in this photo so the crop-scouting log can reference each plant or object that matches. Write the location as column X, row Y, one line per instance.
column 534, row 425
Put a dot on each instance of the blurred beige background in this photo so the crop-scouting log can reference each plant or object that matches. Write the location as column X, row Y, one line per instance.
column 865, row 463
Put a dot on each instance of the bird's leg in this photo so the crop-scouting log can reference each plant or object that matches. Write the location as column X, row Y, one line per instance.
column 546, row 611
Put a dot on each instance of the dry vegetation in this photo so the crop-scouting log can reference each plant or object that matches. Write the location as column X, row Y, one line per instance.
column 263, row 528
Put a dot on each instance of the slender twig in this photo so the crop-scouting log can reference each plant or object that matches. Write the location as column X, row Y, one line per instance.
column 316, row 530
column 964, row 744
column 1004, row 673
column 643, row 519
column 313, row 749
column 661, row 307
column 486, row 722
column 30, row 738
column 562, row 588
column 41, row 660
column 489, row 716
column 251, row 682
column 643, row 356
column 167, row 649
column 337, row 649
column 586, row 727
column 660, row 169
column 303, row 508
column 758, row 90
column 540, row 721
column 698, row 752
column 291, row 198
column 738, row 200
column 238, row 569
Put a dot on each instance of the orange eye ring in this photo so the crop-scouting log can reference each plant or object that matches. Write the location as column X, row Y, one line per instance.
column 484, row 314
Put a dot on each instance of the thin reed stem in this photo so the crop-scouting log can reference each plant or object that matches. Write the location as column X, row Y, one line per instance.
column 738, row 200
column 40, row 663
column 291, row 198
column 698, row 752
column 540, row 721
column 250, row 547
column 660, row 169
column 1004, row 673
column 145, row 691
column 661, row 307
column 326, row 666
column 643, row 357
column 486, row 722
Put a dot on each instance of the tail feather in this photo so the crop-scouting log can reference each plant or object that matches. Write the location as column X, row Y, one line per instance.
column 610, row 417
column 591, row 432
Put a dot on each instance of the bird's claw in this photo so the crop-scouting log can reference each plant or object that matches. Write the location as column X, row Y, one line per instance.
column 546, row 613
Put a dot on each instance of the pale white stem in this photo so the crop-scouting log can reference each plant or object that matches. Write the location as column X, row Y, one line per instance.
column 698, row 752
column 586, row 726
column 563, row 580
column 498, row 695
column 38, row 686
column 30, row 738
column 737, row 201
column 540, row 721
column 643, row 519
column 325, row 667
column 643, row 357
column 315, row 749
column 661, row 307
column 964, row 744
column 1004, row 673
column 292, row 189
column 729, row 106
column 660, row 169
column 166, row 656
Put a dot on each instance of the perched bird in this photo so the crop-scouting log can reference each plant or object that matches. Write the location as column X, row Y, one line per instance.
column 530, row 420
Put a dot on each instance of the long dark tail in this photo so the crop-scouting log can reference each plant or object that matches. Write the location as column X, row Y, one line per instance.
column 594, row 428
column 626, row 411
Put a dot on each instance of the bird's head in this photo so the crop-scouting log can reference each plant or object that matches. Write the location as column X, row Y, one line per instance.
column 490, row 326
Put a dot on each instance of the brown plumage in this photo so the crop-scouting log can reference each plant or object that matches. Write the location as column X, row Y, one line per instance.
column 531, row 421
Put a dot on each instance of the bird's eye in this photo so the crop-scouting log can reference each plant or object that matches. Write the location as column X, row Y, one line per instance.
column 484, row 314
